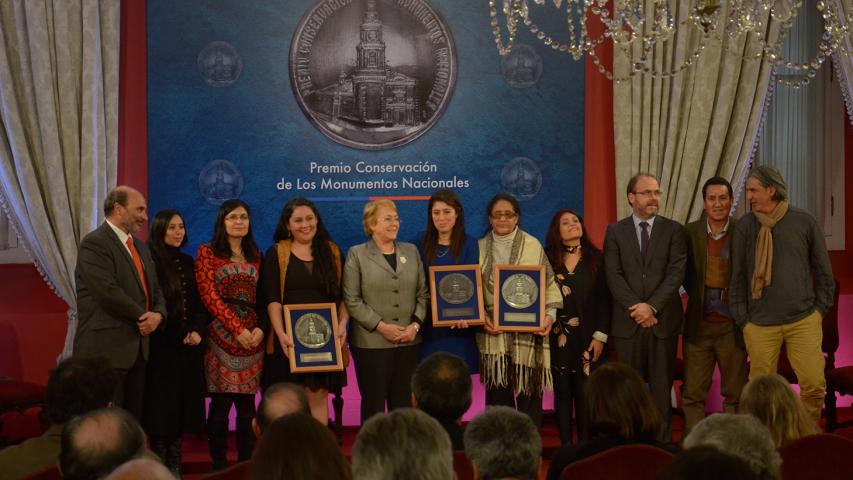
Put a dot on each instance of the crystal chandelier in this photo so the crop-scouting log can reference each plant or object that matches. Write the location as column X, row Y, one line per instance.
column 640, row 25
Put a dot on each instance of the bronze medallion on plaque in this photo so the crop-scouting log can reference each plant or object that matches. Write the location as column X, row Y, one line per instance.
column 372, row 74
column 456, row 295
column 316, row 347
column 312, row 330
column 519, row 290
column 519, row 297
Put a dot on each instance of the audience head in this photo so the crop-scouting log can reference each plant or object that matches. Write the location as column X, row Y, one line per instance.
column 95, row 443
column 618, row 403
column 707, row 463
column 739, row 435
column 141, row 469
column 79, row 385
column 503, row 443
column 441, row 387
column 278, row 400
column 298, row 447
column 406, row 444
column 771, row 400
column 234, row 220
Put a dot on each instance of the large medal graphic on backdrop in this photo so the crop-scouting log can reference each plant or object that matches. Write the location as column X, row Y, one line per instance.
column 372, row 74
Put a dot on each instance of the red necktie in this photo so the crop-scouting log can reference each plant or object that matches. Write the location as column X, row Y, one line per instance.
column 138, row 262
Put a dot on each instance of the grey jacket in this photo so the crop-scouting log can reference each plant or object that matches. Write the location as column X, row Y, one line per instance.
column 110, row 298
column 374, row 292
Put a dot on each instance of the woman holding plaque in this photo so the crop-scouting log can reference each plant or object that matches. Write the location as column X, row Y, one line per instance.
column 304, row 266
column 514, row 362
column 443, row 243
column 226, row 270
column 583, row 321
column 386, row 293
column 174, row 385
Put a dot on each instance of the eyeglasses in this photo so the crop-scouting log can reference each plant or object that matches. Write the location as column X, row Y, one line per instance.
column 504, row 215
column 649, row 193
column 234, row 218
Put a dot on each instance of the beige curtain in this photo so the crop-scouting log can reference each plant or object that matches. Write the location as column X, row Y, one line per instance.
column 843, row 55
column 58, row 141
column 697, row 124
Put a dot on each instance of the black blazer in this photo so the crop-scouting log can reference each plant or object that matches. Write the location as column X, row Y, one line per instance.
column 110, row 298
column 654, row 281
column 593, row 298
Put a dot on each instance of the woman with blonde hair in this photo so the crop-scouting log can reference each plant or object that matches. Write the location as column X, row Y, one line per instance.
column 771, row 400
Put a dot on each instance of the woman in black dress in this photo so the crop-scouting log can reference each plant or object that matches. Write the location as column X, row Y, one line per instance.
column 174, row 389
column 580, row 332
column 304, row 266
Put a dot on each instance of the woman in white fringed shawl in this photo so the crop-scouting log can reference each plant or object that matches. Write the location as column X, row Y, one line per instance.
column 514, row 367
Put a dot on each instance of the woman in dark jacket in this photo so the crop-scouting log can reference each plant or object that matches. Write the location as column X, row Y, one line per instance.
column 583, row 322
column 174, row 389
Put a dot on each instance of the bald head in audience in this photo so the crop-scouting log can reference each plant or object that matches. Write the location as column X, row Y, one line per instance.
column 141, row 469
column 95, row 443
column 279, row 399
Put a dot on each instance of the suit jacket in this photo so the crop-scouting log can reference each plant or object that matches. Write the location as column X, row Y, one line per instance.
column 697, row 255
column 31, row 456
column 654, row 281
column 373, row 292
column 110, row 298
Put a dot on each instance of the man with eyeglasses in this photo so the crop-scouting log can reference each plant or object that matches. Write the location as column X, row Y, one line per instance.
column 119, row 301
column 645, row 257
column 782, row 285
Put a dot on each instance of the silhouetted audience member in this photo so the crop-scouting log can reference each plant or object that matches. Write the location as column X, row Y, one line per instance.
column 619, row 411
column 441, row 387
column 503, row 443
column 707, row 463
column 279, row 399
column 406, row 444
column 75, row 386
column 96, row 443
column 742, row 436
column 141, row 469
column 298, row 447
column 771, row 400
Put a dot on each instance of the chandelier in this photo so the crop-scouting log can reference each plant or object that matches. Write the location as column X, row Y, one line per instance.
column 638, row 26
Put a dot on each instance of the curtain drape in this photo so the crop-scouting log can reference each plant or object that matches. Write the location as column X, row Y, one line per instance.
column 842, row 57
column 58, row 142
column 699, row 123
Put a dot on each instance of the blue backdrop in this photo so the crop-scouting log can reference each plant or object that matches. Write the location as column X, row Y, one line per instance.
column 249, row 138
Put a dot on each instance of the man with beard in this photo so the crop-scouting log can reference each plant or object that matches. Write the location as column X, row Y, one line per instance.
column 645, row 257
column 119, row 301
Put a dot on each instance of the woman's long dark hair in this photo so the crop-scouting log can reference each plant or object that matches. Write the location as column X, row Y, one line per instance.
column 457, row 235
column 219, row 242
column 554, row 243
column 619, row 404
column 169, row 279
column 321, row 251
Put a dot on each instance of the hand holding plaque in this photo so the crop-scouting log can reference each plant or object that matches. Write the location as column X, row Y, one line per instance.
column 456, row 295
column 316, row 345
column 519, row 298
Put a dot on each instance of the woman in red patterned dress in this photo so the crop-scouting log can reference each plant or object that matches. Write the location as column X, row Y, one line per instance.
column 226, row 270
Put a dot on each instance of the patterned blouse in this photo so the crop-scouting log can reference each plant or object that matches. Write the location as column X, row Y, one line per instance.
column 227, row 290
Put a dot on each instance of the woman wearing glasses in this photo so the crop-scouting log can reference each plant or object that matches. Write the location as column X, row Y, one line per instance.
column 386, row 294
column 226, row 270
column 514, row 362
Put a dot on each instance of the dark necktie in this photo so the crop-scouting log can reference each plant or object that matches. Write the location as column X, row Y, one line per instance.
column 644, row 238
column 138, row 262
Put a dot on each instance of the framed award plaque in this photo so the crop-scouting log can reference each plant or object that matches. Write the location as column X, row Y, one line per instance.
column 313, row 327
column 456, row 293
column 519, row 297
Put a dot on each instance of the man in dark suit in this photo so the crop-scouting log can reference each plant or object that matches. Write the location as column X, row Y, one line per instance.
column 645, row 257
column 119, row 301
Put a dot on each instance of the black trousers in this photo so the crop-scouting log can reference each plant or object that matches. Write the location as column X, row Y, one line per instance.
column 130, row 389
column 529, row 404
column 217, row 426
column 384, row 375
column 568, row 393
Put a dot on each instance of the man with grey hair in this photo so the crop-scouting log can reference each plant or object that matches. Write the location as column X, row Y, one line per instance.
column 781, row 285
column 278, row 400
column 742, row 436
column 96, row 443
column 503, row 443
column 406, row 444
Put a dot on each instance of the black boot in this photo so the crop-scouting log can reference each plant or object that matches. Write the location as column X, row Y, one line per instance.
column 173, row 456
